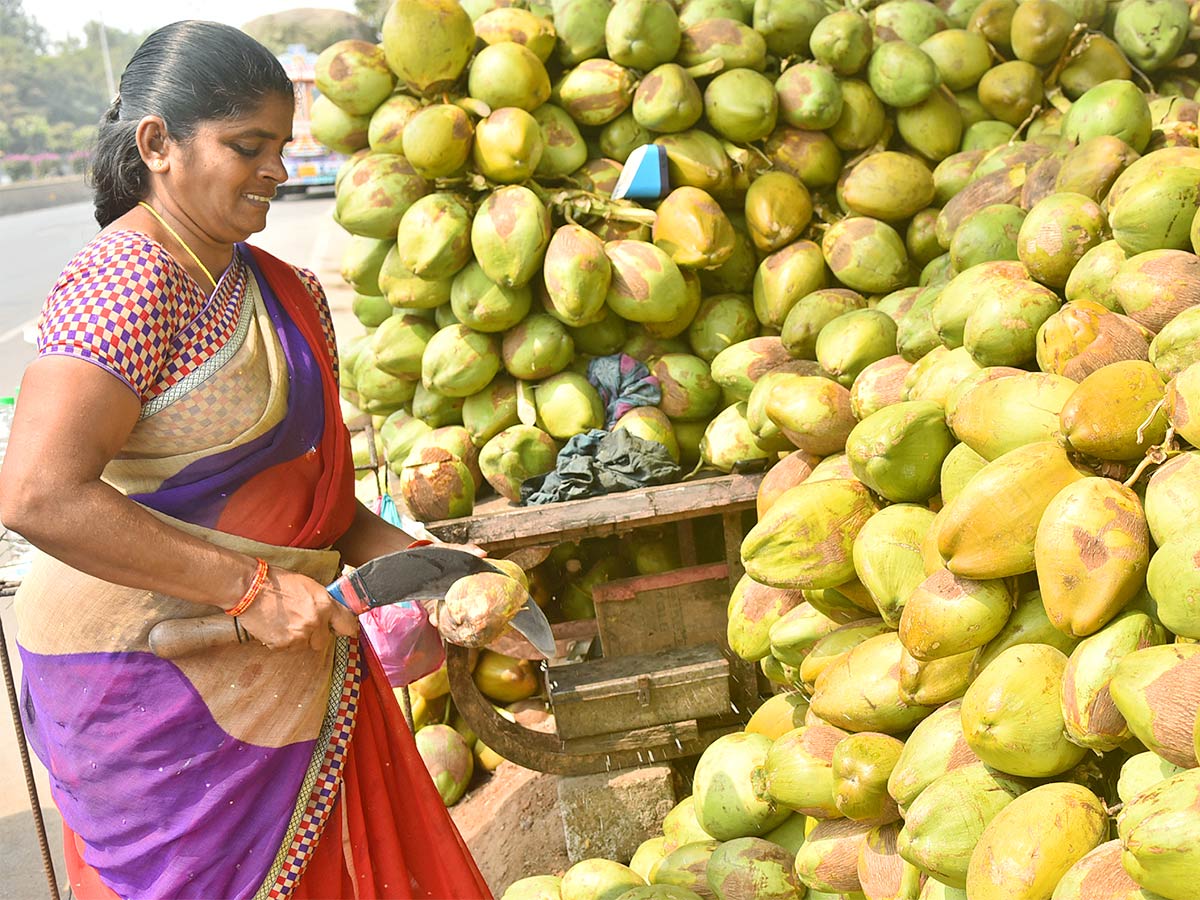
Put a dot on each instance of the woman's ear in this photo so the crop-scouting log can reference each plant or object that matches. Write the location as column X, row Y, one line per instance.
column 152, row 141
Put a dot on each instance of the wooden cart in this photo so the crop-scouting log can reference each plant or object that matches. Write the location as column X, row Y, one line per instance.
column 667, row 685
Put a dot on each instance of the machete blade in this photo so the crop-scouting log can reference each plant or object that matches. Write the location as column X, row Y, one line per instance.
column 420, row 573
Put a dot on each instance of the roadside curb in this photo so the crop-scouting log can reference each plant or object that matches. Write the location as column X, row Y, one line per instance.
column 23, row 196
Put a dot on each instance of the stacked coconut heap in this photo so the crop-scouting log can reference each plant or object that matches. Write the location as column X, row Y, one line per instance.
column 950, row 261
column 491, row 265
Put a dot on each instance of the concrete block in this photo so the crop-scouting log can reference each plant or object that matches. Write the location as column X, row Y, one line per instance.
column 609, row 814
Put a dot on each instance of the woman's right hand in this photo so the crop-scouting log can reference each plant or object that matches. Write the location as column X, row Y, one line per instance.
column 293, row 610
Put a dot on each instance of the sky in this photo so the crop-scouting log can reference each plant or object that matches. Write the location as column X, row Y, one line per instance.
column 61, row 18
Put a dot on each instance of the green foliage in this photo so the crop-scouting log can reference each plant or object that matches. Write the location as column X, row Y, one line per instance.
column 316, row 29
column 52, row 95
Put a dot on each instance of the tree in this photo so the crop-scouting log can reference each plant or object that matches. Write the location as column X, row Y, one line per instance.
column 73, row 77
column 315, row 29
column 21, row 42
column 52, row 94
column 16, row 24
column 372, row 11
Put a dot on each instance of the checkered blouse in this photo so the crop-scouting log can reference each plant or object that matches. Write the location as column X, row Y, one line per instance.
column 126, row 305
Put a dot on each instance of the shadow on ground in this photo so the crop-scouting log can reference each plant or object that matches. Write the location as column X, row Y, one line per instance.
column 22, row 876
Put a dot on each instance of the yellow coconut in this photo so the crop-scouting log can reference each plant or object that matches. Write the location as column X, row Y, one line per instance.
column 1092, row 551
column 990, row 527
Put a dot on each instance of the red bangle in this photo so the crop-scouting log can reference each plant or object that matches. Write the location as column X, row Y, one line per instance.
column 256, row 586
column 421, row 543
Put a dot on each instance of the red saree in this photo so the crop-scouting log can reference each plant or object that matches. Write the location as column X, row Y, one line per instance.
column 365, row 820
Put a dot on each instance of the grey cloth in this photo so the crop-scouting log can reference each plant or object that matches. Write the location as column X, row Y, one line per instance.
column 601, row 462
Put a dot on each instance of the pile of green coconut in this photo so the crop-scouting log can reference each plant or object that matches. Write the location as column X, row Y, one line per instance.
column 934, row 266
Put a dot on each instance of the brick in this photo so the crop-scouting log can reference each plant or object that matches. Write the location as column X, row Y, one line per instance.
column 609, row 814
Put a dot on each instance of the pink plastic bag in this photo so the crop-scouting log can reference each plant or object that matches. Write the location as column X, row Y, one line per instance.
column 405, row 642
column 407, row 645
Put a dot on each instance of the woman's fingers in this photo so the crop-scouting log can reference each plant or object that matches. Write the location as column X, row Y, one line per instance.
column 318, row 638
column 343, row 621
column 296, row 611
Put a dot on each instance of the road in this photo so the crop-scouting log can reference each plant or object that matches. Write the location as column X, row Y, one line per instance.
column 299, row 230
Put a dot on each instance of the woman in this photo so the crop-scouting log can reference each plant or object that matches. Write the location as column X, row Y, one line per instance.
column 178, row 447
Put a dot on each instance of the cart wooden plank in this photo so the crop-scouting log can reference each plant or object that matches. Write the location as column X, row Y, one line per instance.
column 505, row 527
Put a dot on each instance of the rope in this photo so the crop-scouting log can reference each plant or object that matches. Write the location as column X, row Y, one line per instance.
column 7, row 589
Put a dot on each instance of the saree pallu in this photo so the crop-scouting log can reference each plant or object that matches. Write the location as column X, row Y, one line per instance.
column 241, row 771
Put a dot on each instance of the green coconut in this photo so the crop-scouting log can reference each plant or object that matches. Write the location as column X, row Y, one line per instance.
column 797, row 772
column 866, row 255
column 1152, row 688
column 898, row 451
column 720, row 322
column 993, row 417
column 667, row 100
column 1093, row 529
column 944, row 823
column 729, row 442
column 1155, row 829
column 1011, row 714
column 947, row 615
column 1141, row 772
column 861, row 690
column 936, row 746
column 861, row 766
column 598, row 879
column 1172, row 498
column 784, row 278
column 427, row 43
column 752, row 867
column 887, row 556
column 1092, row 719
column 807, row 537
column 727, row 805
column 567, row 404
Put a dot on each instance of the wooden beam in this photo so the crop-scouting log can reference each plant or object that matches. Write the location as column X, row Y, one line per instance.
column 507, row 527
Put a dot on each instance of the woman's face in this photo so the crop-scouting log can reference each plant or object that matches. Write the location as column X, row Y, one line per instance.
column 222, row 179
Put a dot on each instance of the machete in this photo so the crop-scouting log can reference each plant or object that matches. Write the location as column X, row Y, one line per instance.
column 416, row 574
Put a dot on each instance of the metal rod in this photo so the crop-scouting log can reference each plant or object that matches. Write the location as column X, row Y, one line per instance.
column 406, row 704
column 34, row 802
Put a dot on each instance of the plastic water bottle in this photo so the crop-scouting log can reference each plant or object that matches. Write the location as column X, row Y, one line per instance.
column 7, row 407
column 15, row 551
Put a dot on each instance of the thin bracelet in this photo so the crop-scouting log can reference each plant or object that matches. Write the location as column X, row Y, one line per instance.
column 256, row 586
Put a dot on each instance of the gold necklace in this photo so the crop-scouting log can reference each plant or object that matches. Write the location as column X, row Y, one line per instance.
column 182, row 243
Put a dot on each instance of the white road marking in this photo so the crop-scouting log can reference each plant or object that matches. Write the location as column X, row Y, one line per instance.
column 24, row 330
